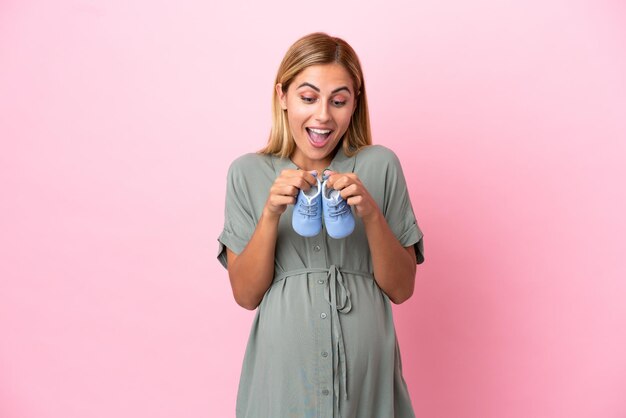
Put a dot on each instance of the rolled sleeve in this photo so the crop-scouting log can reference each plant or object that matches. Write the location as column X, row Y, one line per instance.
column 398, row 210
column 239, row 221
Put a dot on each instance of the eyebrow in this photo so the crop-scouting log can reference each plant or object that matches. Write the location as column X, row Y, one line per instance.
column 318, row 90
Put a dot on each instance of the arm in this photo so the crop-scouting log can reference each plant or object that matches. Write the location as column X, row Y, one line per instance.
column 394, row 265
column 251, row 272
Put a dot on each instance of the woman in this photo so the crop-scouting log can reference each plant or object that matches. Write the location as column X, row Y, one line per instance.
column 323, row 342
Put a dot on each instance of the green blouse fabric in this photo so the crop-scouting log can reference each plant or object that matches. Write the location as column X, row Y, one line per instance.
column 323, row 342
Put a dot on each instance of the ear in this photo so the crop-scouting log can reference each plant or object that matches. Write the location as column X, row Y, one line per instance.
column 282, row 97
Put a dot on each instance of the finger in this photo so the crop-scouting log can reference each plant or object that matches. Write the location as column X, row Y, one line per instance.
column 354, row 200
column 297, row 173
column 280, row 189
column 340, row 181
column 278, row 200
column 331, row 179
column 287, row 172
column 350, row 190
column 289, row 190
column 310, row 177
column 300, row 182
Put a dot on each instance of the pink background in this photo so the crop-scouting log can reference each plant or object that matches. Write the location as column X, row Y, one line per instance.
column 118, row 120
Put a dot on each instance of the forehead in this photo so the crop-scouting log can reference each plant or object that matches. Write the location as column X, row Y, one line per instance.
column 326, row 77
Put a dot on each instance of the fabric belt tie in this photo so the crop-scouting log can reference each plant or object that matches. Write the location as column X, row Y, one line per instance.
column 337, row 295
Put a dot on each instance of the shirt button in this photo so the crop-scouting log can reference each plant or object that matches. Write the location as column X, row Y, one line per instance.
column 325, row 392
column 323, row 315
column 317, row 248
column 324, row 354
column 321, row 281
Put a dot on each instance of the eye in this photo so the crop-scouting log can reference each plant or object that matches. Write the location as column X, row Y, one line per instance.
column 307, row 99
column 338, row 104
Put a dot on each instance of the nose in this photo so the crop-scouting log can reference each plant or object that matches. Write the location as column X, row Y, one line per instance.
column 323, row 115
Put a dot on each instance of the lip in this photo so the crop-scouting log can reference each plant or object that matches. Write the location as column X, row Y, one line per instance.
column 320, row 127
column 318, row 144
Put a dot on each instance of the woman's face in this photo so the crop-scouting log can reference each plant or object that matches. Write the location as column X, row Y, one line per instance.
column 319, row 103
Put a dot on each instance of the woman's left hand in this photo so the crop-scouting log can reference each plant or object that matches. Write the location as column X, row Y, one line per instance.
column 355, row 194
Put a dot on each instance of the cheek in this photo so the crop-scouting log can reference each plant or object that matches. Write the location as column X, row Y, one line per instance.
column 343, row 117
column 297, row 115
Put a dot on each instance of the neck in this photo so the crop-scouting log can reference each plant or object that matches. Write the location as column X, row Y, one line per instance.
column 320, row 165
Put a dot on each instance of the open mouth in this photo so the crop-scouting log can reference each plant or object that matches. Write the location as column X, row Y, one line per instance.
column 318, row 137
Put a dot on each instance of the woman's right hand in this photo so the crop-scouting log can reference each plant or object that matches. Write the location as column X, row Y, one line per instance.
column 251, row 271
column 285, row 190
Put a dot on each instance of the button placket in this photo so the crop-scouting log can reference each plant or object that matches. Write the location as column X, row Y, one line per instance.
column 318, row 259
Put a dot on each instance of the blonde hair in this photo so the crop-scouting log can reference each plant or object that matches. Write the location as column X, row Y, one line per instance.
column 317, row 49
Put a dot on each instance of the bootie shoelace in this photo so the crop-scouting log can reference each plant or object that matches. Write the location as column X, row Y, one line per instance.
column 307, row 209
column 339, row 208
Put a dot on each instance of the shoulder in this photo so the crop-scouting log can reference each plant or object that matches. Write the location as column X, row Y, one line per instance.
column 250, row 164
column 377, row 156
column 250, row 160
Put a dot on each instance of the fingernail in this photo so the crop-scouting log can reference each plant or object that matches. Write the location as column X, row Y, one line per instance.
column 314, row 173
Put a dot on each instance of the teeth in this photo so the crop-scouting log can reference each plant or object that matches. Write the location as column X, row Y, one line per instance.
column 320, row 131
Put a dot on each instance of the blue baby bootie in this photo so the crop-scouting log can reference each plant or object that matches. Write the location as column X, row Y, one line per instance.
column 338, row 216
column 306, row 219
